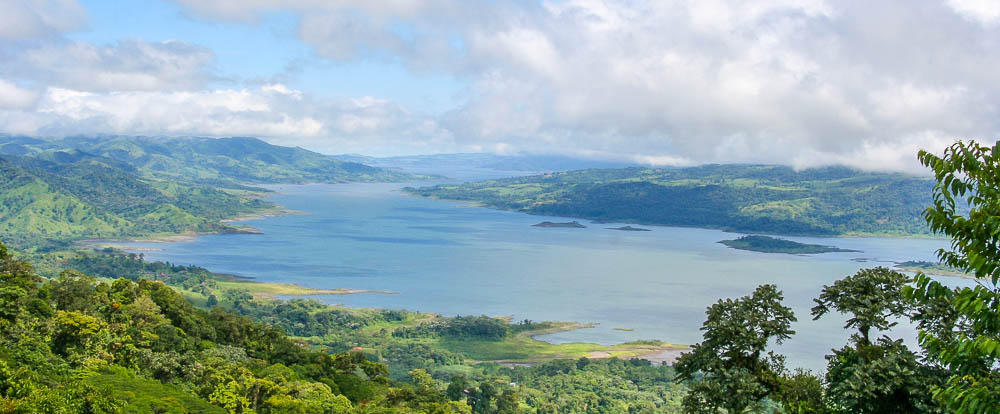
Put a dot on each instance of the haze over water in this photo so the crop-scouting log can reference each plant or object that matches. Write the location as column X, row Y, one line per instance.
column 449, row 258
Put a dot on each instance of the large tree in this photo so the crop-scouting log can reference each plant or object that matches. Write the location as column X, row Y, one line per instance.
column 865, row 376
column 730, row 369
column 960, row 328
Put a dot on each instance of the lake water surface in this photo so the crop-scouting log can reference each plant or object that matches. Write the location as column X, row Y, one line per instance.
column 449, row 258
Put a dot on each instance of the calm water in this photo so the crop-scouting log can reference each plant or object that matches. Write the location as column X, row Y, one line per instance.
column 452, row 259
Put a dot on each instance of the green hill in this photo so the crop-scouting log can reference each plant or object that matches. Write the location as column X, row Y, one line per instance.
column 86, row 197
column 247, row 160
column 747, row 198
column 219, row 161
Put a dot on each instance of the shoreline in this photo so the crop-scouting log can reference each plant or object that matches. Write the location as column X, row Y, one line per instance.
column 273, row 290
column 190, row 235
column 655, row 351
column 471, row 203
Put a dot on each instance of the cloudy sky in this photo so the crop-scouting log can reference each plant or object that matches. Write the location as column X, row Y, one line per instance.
column 804, row 82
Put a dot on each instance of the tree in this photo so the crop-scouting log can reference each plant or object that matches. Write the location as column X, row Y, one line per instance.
column 735, row 373
column 508, row 402
column 867, row 377
column 960, row 328
column 10, row 302
column 73, row 291
column 456, row 388
column 16, row 273
column 872, row 297
column 802, row 393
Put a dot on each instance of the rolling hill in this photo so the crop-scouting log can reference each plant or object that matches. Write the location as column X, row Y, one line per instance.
column 220, row 161
column 70, row 195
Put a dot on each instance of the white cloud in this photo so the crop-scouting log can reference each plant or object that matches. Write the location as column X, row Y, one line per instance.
column 24, row 20
column 128, row 65
column 798, row 82
column 673, row 82
column 15, row 97
column 986, row 12
column 275, row 112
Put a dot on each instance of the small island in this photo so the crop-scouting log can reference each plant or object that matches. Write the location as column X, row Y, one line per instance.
column 628, row 228
column 571, row 224
column 765, row 244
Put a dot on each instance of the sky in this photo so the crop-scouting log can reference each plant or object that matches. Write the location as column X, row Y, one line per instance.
column 804, row 83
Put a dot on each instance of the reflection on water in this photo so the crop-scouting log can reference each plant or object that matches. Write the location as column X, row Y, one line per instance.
column 447, row 258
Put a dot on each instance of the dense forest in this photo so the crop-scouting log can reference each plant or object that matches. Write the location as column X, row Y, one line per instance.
column 745, row 198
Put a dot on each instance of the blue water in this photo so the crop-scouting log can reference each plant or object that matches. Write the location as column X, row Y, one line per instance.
column 452, row 259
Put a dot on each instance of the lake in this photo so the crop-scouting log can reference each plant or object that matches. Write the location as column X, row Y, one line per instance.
column 453, row 259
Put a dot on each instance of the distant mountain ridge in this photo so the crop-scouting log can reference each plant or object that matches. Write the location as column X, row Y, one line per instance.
column 748, row 198
column 212, row 160
column 517, row 163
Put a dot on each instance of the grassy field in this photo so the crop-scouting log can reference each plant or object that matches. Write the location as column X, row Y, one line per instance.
column 524, row 349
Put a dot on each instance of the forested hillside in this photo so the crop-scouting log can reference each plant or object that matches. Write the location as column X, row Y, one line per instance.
column 67, row 196
column 211, row 160
column 748, row 198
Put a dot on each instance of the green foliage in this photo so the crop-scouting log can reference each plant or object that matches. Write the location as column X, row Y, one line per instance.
column 960, row 328
column 802, row 393
column 465, row 327
column 872, row 297
column 143, row 395
column 969, row 174
column 110, row 263
column 729, row 368
column 596, row 386
column 883, row 376
column 747, row 198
